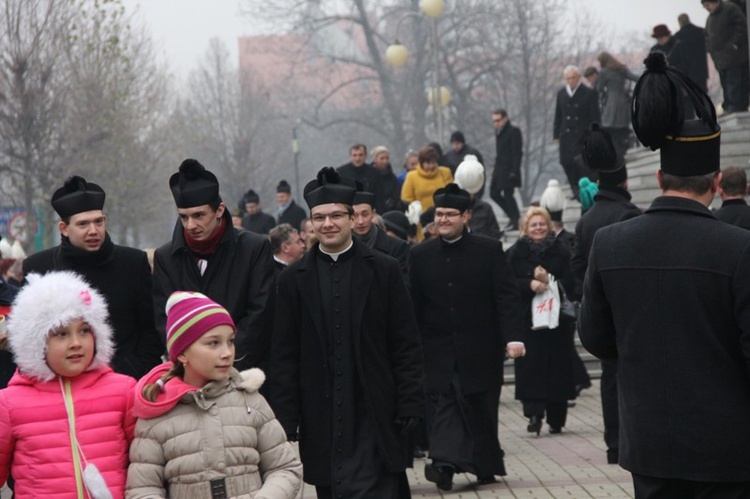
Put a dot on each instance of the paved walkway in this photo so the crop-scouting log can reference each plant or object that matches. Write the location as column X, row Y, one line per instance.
column 572, row 464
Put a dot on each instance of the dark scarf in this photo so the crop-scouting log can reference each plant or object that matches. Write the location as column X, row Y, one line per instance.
column 81, row 258
column 207, row 247
column 540, row 247
column 370, row 238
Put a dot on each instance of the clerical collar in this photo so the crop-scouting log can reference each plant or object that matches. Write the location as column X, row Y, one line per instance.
column 282, row 262
column 335, row 256
column 451, row 241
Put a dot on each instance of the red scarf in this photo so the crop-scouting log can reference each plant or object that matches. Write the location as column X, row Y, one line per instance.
column 208, row 246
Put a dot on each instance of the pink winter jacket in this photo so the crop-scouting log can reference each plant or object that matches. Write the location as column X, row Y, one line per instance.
column 35, row 442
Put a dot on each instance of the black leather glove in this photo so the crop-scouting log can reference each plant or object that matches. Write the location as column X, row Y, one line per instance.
column 407, row 423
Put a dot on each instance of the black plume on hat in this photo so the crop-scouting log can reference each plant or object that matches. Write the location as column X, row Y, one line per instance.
column 284, row 187
column 452, row 196
column 329, row 187
column 688, row 147
column 77, row 196
column 193, row 185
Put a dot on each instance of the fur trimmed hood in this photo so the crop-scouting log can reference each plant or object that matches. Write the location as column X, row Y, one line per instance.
column 48, row 302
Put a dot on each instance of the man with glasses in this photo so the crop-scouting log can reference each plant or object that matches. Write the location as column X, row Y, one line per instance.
column 346, row 375
column 469, row 315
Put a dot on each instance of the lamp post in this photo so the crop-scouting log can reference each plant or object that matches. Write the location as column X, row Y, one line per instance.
column 397, row 55
column 295, row 150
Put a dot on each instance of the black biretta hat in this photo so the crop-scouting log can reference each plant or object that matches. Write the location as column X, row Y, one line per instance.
column 688, row 147
column 364, row 197
column 193, row 185
column 329, row 187
column 250, row 197
column 77, row 196
column 599, row 153
column 452, row 196
column 284, row 187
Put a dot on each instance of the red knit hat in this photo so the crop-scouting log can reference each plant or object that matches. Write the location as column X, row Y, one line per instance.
column 189, row 316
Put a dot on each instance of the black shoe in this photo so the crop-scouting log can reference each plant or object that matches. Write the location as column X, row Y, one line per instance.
column 418, row 453
column 486, row 479
column 440, row 475
column 571, row 403
column 580, row 388
column 554, row 430
column 613, row 456
column 535, row 425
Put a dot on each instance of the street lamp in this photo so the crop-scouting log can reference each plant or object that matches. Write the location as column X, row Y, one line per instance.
column 396, row 55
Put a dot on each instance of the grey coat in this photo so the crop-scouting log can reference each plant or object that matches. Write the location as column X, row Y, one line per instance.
column 615, row 97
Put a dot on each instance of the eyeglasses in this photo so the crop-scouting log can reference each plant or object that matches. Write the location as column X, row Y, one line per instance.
column 336, row 216
column 451, row 214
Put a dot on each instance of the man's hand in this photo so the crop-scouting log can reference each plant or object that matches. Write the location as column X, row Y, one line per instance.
column 515, row 350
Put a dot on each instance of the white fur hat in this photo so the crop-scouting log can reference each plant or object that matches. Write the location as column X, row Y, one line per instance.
column 470, row 174
column 46, row 303
column 553, row 199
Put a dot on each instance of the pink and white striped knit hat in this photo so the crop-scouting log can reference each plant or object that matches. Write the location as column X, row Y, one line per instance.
column 189, row 316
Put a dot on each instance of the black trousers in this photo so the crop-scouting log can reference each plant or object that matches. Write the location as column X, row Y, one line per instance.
column 736, row 88
column 649, row 487
column 610, row 405
column 504, row 198
column 557, row 412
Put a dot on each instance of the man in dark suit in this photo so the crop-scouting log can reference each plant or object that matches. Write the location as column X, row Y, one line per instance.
column 693, row 41
column 346, row 376
column 288, row 211
column 577, row 107
column 469, row 314
column 506, row 175
column 732, row 190
column 254, row 219
column 666, row 296
column 120, row 273
column 611, row 205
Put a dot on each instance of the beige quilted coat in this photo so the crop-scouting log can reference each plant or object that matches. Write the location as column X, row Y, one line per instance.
column 223, row 431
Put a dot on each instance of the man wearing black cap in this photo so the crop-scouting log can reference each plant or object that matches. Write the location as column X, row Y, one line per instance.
column 612, row 204
column 288, row 211
column 372, row 236
column 577, row 106
column 469, row 314
column 206, row 254
column 459, row 150
column 120, row 273
column 346, row 376
column 254, row 219
column 666, row 297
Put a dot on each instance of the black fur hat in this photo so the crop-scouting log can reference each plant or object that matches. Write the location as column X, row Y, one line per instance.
column 688, row 147
column 599, row 154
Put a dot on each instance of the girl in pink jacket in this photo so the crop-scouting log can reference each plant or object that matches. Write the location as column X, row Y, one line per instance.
column 65, row 418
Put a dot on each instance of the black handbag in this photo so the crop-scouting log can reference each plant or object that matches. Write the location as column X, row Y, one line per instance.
column 568, row 309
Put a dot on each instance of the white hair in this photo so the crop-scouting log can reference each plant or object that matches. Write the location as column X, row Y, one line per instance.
column 570, row 69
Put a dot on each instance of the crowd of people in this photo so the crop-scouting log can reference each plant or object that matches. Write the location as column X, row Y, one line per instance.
column 382, row 316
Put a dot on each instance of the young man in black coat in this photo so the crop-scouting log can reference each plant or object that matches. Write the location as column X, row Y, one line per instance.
column 732, row 189
column 507, row 173
column 576, row 108
column 120, row 273
column 231, row 266
column 611, row 205
column 347, row 374
column 254, row 219
column 666, row 296
column 469, row 314
column 289, row 212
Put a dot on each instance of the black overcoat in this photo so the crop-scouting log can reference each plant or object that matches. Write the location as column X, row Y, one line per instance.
column 573, row 116
column 239, row 277
column 388, row 358
column 260, row 223
column 508, row 156
column 546, row 372
column 735, row 212
column 467, row 308
column 125, row 280
column 395, row 248
column 611, row 205
column 293, row 215
column 693, row 39
column 667, row 296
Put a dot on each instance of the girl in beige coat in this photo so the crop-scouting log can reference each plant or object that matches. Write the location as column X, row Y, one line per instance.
column 204, row 431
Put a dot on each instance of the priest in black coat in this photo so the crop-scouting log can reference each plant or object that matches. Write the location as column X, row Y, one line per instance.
column 120, row 273
column 469, row 314
column 577, row 107
column 254, row 219
column 346, row 372
column 666, row 296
